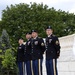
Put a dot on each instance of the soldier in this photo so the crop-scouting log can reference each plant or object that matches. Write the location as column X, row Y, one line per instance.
column 20, row 56
column 37, row 52
column 52, row 52
column 27, row 54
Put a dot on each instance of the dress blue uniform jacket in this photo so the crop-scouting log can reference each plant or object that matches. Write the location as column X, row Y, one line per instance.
column 20, row 53
column 52, row 47
column 37, row 48
column 27, row 50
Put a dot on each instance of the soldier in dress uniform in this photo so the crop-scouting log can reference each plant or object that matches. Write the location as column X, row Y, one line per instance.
column 27, row 54
column 20, row 57
column 37, row 51
column 52, row 52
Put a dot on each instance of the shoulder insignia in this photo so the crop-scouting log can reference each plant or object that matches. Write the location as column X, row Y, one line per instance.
column 57, row 42
column 42, row 44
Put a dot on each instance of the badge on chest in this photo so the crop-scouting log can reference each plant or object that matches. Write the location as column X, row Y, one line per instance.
column 36, row 42
column 50, row 40
column 19, row 47
column 28, row 43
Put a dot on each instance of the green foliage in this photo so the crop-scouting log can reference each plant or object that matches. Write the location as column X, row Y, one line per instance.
column 0, row 50
column 0, row 54
column 9, row 59
column 7, row 55
column 20, row 18
column 5, row 42
column 9, row 62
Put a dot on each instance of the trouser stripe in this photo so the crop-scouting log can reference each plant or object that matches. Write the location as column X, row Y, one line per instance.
column 54, row 68
column 39, row 66
column 23, row 68
column 32, row 68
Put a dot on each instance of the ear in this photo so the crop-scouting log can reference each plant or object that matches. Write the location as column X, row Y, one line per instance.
column 52, row 30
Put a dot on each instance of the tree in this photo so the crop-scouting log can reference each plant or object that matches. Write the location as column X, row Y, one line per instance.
column 1, row 26
column 1, row 56
column 7, row 55
column 5, row 42
column 8, row 62
column 20, row 18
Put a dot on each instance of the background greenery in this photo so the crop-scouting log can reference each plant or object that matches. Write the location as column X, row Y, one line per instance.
column 20, row 18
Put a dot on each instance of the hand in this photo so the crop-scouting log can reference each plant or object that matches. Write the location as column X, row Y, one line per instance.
column 58, row 55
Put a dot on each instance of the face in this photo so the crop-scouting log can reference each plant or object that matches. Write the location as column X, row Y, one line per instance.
column 28, row 36
column 20, row 41
column 49, row 31
column 34, row 34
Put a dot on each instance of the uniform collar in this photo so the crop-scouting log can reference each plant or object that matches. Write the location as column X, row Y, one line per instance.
column 28, row 39
column 49, row 35
column 20, row 44
column 35, row 37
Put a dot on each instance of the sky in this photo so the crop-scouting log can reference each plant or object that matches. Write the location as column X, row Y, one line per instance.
column 65, row 5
